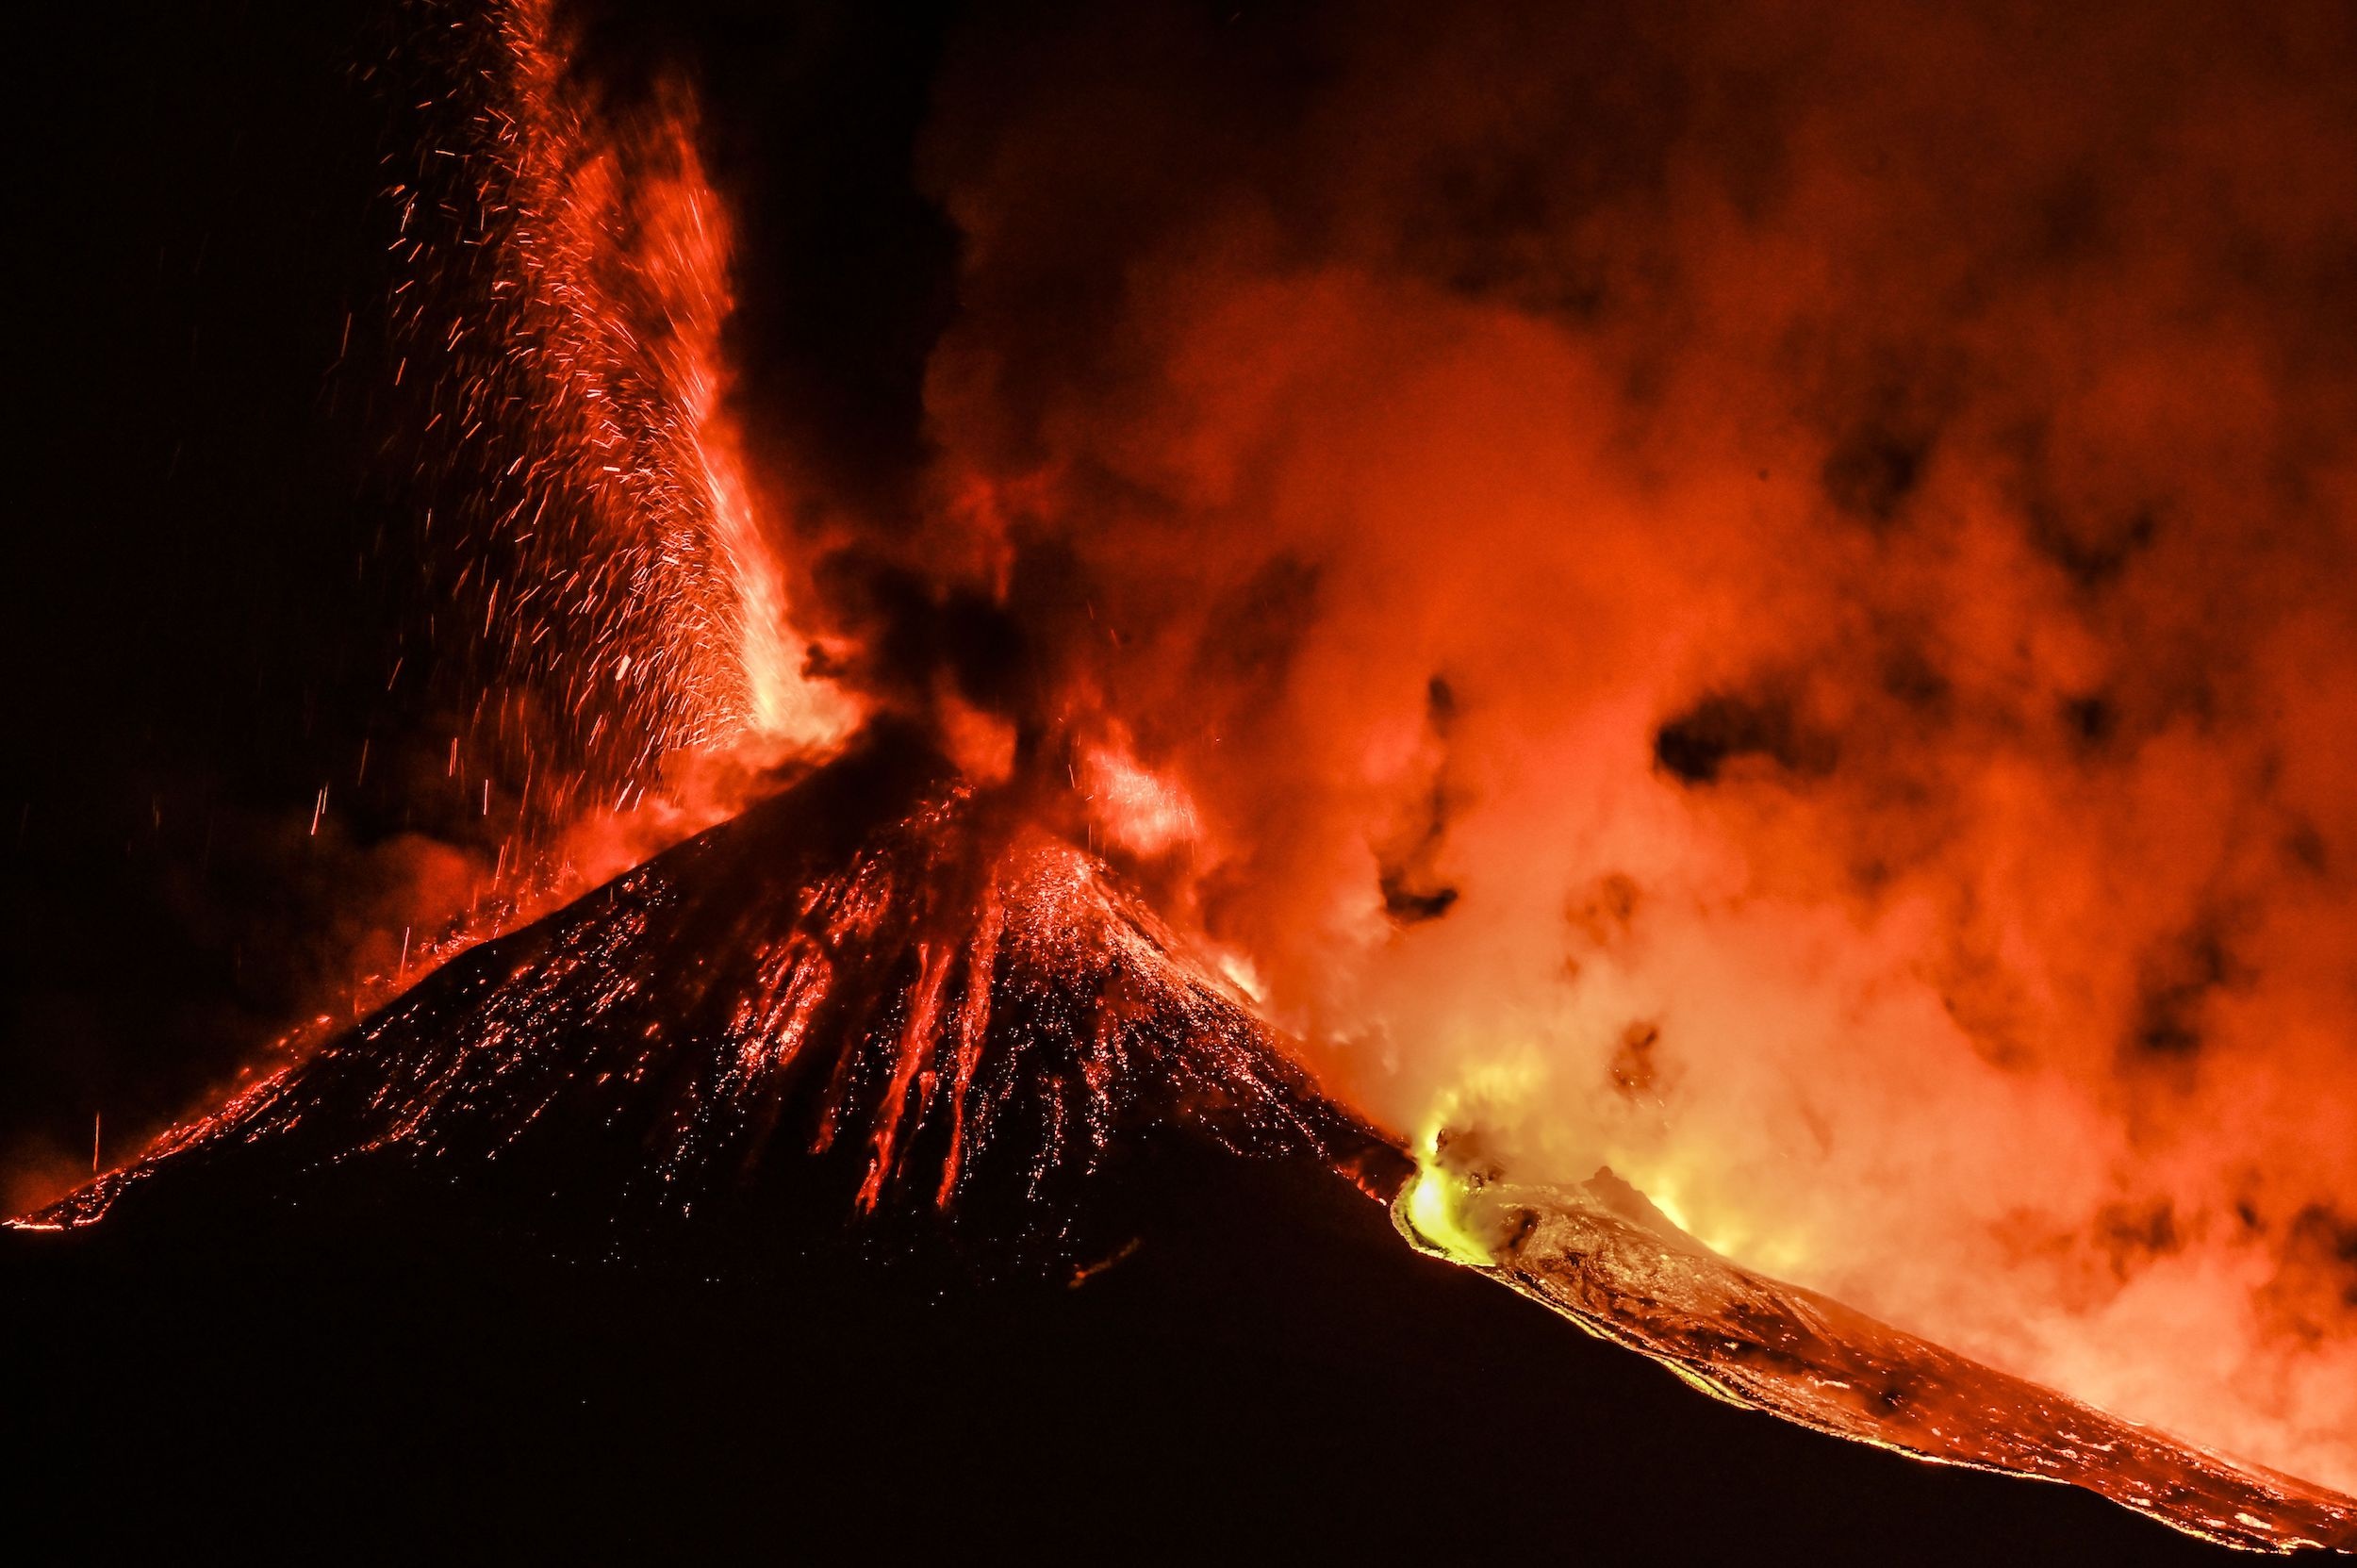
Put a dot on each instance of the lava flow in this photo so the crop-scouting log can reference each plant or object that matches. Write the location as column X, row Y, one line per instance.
column 889, row 996
column 1603, row 595
column 878, row 990
column 1605, row 1256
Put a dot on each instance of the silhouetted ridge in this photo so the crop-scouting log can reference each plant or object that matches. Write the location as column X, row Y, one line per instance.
column 880, row 991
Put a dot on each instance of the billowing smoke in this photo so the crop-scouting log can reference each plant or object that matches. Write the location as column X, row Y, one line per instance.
column 1756, row 594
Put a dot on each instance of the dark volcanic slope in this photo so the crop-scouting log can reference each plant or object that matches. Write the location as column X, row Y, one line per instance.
column 870, row 1173
column 1266, row 1373
column 874, row 992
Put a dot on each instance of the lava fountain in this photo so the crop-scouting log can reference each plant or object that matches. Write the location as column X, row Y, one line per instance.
column 1657, row 689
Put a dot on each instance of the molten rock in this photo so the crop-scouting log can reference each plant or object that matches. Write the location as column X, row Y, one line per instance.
column 877, row 991
column 1603, row 1255
column 887, row 1000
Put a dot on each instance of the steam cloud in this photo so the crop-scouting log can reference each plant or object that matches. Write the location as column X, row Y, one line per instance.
column 1758, row 594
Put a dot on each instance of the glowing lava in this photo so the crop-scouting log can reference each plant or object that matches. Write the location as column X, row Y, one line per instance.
column 881, row 990
column 887, row 997
column 1604, row 1257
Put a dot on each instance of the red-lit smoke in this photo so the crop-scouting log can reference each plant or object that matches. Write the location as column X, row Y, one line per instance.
column 1759, row 595
column 1754, row 594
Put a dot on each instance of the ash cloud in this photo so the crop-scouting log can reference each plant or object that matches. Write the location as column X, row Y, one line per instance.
column 1877, row 492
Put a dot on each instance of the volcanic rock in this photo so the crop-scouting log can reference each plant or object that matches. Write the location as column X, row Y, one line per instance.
column 880, row 994
column 873, row 1172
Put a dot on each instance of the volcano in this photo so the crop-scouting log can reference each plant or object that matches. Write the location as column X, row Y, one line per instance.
column 877, row 1166
column 880, row 992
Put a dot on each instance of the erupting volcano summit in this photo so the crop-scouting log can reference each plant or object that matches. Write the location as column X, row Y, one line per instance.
column 1399, row 783
column 878, row 990
column 886, row 1004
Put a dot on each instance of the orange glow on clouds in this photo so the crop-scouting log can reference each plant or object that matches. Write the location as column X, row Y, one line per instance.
column 1760, row 595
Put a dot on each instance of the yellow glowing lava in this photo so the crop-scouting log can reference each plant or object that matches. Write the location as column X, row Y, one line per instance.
column 1436, row 1200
